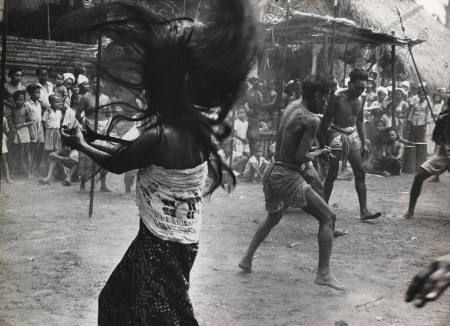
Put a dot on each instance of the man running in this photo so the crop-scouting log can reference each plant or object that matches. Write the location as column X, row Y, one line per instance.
column 283, row 184
column 436, row 165
column 343, row 124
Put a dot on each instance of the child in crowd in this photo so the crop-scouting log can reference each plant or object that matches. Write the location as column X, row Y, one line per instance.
column 21, row 119
column 240, row 132
column 46, row 86
column 63, row 157
column 36, row 129
column 59, row 88
column 5, row 131
column 52, row 119
column 256, row 166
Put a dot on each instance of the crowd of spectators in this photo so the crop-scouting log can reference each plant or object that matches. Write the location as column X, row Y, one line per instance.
column 392, row 120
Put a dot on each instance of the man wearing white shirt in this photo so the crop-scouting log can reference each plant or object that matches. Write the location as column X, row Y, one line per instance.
column 240, row 133
column 46, row 87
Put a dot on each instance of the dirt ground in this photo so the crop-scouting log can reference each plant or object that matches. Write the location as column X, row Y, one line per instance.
column 54, row 260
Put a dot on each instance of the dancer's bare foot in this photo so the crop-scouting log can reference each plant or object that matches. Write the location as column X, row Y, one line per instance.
column 366, row 215
column 339, row 232
column 408, row 215
column 328, row 280
column 67, row 182
column 8, row 180
column 246, row 265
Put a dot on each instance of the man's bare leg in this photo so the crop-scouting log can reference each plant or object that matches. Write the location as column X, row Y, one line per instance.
column 28, row 158
column 71, row 171
column 6, row 168
column 333, row 171
column 103, row 186
column 128, row 180
column 355, row 160
column 319, row 209
column 51, row 171
column 416, row 189
column 82, row 184
column 261, row 233
column 313, row 179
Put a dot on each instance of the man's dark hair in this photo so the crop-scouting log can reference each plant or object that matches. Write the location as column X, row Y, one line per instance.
column 13, row 70
column 40, row 69
column 17, row 94
column 32, row 87
column 358, row 74
column 389, row 129
column 314, row 84
column 52, row 98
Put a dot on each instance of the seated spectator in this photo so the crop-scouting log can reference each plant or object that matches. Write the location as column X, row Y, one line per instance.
column 391, row 158
column 65, row 158
column 256, row 166
column 239, row 160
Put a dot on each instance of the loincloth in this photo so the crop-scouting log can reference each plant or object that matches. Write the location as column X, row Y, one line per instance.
column 283, row 186
column 345, row 140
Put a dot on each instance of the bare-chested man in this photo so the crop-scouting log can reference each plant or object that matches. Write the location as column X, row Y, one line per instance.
column 86, row 110
column 343, row 124
column 437, row 164
column 283, row 184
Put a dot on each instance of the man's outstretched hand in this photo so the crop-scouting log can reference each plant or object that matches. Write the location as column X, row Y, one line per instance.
column 430, row 283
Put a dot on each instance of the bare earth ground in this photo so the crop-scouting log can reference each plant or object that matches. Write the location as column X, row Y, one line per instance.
column 54, row 260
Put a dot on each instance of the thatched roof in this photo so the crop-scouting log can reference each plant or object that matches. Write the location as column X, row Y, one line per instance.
column 311, row 28
column 432, row 57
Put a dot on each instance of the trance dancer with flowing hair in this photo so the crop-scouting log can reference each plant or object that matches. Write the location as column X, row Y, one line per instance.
column 186, row 71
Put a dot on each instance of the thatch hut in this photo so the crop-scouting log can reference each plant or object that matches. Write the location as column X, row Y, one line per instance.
column 432, row 56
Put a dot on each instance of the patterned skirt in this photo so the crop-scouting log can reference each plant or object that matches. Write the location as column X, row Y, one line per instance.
column 150, row 285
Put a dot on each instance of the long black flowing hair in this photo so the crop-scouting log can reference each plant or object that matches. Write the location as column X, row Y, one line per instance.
column 185, row 70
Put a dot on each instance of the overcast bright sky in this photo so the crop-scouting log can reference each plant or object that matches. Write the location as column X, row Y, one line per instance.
column 435, row 7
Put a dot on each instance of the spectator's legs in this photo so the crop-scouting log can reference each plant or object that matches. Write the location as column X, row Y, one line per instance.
column 6, row 168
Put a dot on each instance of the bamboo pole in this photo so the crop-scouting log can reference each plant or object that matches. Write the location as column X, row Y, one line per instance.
column 394, row 73
column 333, row 40
column 3, row 75
column 415, row 67
column 233, row 118
column 283, row 63
column 97, row 104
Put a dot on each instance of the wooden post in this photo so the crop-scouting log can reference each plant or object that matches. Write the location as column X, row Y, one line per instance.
column 48, row 20
column 325, row 57
column 283, row 64
column 394, row 73
column 97, row 104
column 333, row 41
column 233, row 118
column 3, row 75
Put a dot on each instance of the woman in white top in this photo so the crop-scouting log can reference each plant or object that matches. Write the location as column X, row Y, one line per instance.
column 419, row 117
column 186, row 70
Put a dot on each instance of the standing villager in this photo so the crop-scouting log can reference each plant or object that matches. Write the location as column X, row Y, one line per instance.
column 419, row 117
column 284, row 185
column 345, row 134
column 437, row 164
column 187, row 71
column 86, row 114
